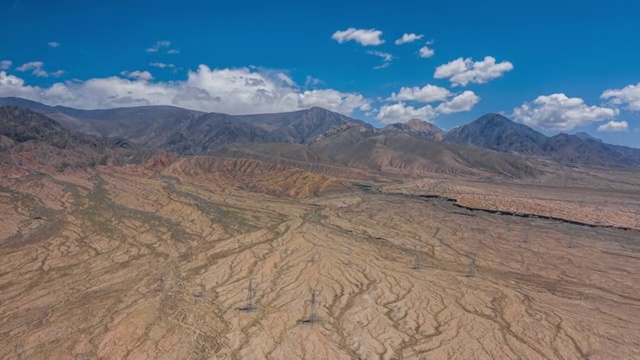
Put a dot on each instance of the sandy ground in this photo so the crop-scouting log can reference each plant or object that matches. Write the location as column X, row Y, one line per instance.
column 119, row 266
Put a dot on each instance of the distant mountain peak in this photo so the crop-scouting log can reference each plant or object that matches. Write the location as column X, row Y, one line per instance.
column 496, row 132
column 416, row 122
column 493, row 118
column 418, row 128
column 320, row 110
column 586, row 136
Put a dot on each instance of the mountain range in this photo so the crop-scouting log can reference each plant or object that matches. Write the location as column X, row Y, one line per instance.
column 316, row 140
column 496, row 132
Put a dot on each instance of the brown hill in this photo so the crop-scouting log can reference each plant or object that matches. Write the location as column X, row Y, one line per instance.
column 255, row 176
column 389, row 153
column 407, row 154
column 418, row 128
column 30, row 141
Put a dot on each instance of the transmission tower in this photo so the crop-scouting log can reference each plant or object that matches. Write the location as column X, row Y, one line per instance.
column 599, row 211
column 416, row 259
column 348, row 261
column 200, row 292
column 251, row 293
column 526, row 236
column 473, row 269
column 314, row 256
column 161, row 283
column 313, row 309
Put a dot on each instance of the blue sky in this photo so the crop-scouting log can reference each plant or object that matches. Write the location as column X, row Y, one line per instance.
column 545, row 63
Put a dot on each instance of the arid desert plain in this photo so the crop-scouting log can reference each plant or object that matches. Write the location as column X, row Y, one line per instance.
column 131, row 263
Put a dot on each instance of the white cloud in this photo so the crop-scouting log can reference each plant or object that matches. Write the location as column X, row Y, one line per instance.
column 7, row 80
column 386, row 58
column 173, row 51
column 58, row 92
column 158, row 46
column 560, row 113
column 311, row 81
column 5, row 64
column 464, row 71
column 629, row 96
column 449, row 103
column 614, row 126
column 232, row 91
column 54, row 44
column 286, row 79
column 14, row 86
column 30, row 65
column 365, row 37
column 162, row 65
column 138, row 75
column 332, row 100
column 463, row 102
column 36, row 66
column 427, row 94
column 426, row 52
column 400, row 113
column 407, row 38
column 58, row 73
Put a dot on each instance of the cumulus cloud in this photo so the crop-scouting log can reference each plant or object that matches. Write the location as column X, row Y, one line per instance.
column 386, row 58
column 138, row 75
column 159, row 45
column 407, row 38
column 560, row 113
column 464, row 71
column 232, row 91
column 332, row 100
column 614, row 126
column 365, row 37
column 426, row 52
column 11, row 85
column 427, row 94
column 54, row 44
column 628, row 96
column 5, row 64
column 449, row 104
column 400, row 113
column 463, row 102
